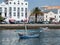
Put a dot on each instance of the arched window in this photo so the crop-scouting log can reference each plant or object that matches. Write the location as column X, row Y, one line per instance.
column 10, row 2
column 25, row 3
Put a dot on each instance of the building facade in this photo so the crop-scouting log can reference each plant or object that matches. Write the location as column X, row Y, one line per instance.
column 55, row 15
column 39, row 18
column 49, row 15
column 14, row 9
column 51, row 12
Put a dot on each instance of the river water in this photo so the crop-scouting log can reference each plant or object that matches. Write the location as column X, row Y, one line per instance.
column 47, row 37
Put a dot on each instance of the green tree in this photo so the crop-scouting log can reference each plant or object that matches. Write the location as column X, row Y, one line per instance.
column 36, row 11
column 1, row 18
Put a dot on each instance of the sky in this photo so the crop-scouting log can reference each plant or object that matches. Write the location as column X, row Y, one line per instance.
column 39, row 3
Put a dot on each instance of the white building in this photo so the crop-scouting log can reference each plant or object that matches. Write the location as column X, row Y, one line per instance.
column 53, row 13
column 14, row 9
column 39, row 18
column 49, row 15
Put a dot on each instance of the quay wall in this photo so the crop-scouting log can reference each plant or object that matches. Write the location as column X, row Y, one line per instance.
column 29, row 26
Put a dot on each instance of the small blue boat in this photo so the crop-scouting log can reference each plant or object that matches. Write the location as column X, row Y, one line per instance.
column 28, row 36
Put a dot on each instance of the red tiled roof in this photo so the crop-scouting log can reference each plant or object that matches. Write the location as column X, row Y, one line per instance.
column 52, row 7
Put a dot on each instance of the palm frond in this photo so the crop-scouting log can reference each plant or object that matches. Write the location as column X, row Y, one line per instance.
column 36, row 11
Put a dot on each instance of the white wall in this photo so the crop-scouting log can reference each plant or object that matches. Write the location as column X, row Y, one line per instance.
column 58, row 14
column 16, row 5
column 49, row 15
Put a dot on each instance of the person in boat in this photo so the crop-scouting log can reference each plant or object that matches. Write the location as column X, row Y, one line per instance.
column 20, row 34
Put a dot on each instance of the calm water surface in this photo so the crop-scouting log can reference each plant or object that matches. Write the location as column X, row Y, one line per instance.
column 47, row 37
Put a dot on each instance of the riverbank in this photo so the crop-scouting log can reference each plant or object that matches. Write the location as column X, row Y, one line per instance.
column 29, row 26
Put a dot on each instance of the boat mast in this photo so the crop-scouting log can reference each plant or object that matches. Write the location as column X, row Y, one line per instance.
column 25, row 28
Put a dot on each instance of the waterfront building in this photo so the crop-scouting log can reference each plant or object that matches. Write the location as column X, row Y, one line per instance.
column 14, row 10
column 51, row 12
column 39, row 18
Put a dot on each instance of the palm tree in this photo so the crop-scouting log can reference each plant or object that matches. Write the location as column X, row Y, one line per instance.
column 36, row 12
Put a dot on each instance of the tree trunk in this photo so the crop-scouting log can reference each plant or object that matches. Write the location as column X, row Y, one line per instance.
column 36, row 18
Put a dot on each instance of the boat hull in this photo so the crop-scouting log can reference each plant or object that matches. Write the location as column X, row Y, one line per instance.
column 29, row 36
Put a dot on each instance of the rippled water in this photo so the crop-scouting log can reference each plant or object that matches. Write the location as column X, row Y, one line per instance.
column 47, row 37
column 10, row 37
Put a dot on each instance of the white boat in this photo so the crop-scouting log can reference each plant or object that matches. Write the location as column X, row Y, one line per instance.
column 46, row 28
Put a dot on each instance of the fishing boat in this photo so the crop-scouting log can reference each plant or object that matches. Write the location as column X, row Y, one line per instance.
column 26, row 35
column 21, row 36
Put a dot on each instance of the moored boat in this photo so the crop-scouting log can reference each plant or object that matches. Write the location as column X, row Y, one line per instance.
column 21, row 36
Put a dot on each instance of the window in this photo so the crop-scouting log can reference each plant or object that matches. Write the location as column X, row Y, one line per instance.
column 18, row 11
column 18, row 2
column 26, row 10
column 25, row 15
column 14, row 14
column 10, row 12
column 21, row 3
column 21, row 9
column 5, row 12
column 18, row 15
column 10, row 9
column 22, row 14
column 10, row 15
column 14, row 8
column 14, row 3
column 25, row 3
column 10, row 2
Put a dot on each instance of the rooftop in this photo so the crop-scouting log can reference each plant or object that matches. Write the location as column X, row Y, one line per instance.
column 52, row 7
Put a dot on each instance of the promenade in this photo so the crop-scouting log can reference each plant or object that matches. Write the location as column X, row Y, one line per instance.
column 29, row 26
